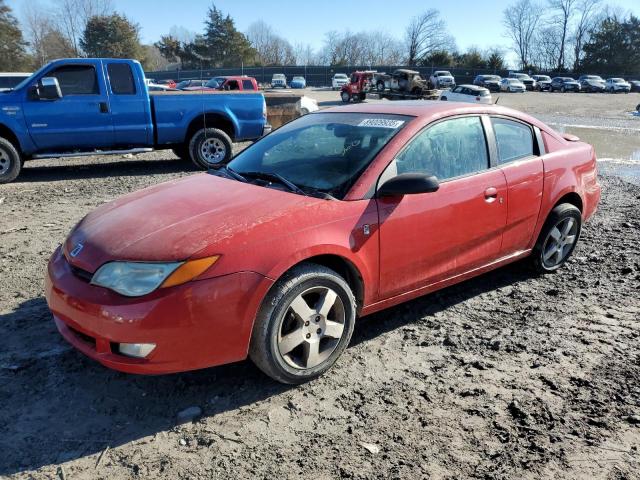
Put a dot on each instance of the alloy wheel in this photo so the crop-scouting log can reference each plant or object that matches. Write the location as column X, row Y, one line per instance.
column 559, row 242
column 5, row 162
column 311, row 327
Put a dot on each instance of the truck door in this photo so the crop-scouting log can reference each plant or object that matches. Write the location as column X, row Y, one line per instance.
column 130, row 106
column 80, row 120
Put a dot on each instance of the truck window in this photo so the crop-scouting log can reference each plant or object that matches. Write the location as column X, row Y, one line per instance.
column 247, row 85
column 76, row 79
column 121, row 79
column 232, row 85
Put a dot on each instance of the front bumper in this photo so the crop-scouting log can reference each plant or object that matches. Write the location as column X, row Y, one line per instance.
column 195, row 325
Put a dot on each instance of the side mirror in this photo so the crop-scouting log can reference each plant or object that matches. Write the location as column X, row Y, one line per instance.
column 408, row 184
column 49, row 89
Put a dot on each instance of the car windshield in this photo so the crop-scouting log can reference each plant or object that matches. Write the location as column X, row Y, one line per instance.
column 443, row 74
column 340, row 76
column 617, row 80
column 568, row 79
column 543, row 78
column 278, row 76
column 298, row 79
column 593, row 77
column 322, row 152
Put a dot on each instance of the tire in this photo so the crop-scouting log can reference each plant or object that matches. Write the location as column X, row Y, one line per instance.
column 210, row 147
column 563, row 90
column 182, row 152
column 553, row 249
column 277, row 320
column 346, row 98
column 444, row 99
column 380, row 86
column 362, row 97
column 10, row 161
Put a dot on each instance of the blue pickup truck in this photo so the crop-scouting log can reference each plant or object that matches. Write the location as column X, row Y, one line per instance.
column 83, row 106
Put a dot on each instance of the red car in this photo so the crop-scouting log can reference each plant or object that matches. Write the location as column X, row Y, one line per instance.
column 334, row 216
column 358, row 86
column 228, row 83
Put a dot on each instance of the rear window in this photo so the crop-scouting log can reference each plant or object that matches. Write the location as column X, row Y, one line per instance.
column 121, row 79
column 514, row 139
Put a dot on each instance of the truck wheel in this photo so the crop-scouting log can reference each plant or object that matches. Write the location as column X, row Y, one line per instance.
column 363, row 97
column 210, row 147
column 380, row 86
column 10, row 162
column 346, row 98
column 305, row 323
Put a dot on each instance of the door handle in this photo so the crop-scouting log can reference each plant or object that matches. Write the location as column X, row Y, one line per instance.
column 104, row 107
column 490, row 194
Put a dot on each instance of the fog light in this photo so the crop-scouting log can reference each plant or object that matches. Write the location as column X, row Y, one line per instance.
column 138, row 350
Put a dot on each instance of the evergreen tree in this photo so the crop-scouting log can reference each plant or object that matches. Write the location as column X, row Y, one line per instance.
column 614, row 47
column 12, row 45
column 111, row 36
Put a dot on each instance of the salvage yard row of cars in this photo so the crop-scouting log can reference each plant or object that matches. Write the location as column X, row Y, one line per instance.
column 520, row 82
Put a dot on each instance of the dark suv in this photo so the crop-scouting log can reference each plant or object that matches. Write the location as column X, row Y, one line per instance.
column 564, row 84
column 591, row 83
column 543, row 83
column 491, row 82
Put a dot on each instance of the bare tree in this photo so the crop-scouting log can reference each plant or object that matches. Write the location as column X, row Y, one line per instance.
column 546, row 47
column 72, row 17
column 564, row 11
column 304, row 54
column 589, row 11
column 272, row 49
column 45, row 40
column 521, row 20
column 426, row 33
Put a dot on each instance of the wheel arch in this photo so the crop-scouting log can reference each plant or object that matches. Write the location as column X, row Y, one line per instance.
column 7, row 134
column 212, row 120
column 573, row 198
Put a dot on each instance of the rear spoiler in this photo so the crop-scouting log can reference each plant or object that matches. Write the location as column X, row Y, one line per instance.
column 570, row 138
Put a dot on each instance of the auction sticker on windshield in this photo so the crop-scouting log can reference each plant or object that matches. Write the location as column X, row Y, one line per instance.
column 381, row 123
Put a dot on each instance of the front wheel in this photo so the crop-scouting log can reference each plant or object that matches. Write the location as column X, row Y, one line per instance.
column 444, row 99
column 10, row 161
column 558, row 238
column 346, row 98
column 305, row 323
column 210, row 147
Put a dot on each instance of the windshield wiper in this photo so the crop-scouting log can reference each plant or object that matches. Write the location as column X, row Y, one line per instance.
column 271, row 176
column 234, row 174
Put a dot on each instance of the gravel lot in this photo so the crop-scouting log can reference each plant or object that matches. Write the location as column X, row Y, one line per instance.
column 508, row 376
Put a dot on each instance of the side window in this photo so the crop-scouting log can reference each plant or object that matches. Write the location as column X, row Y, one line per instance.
column 514, row 139
column 457, row 90
column 448, row 149
column 121, row 79
column 247, row 85
column 233, row 85
column 76, row 79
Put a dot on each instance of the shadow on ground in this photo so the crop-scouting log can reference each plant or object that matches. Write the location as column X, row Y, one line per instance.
column 60, row 406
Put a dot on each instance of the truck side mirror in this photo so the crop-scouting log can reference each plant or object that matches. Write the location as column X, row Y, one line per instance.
column 49, row 89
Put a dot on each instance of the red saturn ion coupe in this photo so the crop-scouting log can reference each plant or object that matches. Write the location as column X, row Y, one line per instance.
column 336, row 215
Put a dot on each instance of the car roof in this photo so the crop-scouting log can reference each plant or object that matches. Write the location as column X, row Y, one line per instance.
column 404, row 70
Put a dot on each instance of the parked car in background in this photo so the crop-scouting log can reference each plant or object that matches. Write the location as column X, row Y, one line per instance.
column 185, row 84
column 279, row 80
column 468, row 93
column 564, row 84
column 492, row 82
column 338, row 80
column 543, row 83
column 359, row 84
column 168, row 82
column 442, row 79
column 298, row 82
column 512, row 85
column 401, row 80
column 85, row 106
column 591, row 83
column 615, row 85
column 321, row 222
column 635, row 85
column 9, row 80
column 154, row 87
column 527, row 81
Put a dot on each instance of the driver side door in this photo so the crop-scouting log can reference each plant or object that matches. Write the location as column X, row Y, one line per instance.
column 429, row 237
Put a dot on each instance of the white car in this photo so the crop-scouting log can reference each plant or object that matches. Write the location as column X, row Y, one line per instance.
column 278, row 80
column 614, row 85
column 468, row 93
column 9, row 80
column 338, row 80
column 442, row 79
column 512, row 85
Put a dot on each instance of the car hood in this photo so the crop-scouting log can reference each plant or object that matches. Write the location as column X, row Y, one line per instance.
column 174, row 221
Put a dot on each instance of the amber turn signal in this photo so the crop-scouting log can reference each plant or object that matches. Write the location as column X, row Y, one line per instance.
column 189, row 270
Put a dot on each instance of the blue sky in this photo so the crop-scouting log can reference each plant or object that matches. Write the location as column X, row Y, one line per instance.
column 470, row 21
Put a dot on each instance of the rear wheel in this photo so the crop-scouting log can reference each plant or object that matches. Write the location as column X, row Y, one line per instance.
column 444, row 99
column 305, row 323
column 346, row 98
column 210, row 147
column 558, row 238
column 10, row 161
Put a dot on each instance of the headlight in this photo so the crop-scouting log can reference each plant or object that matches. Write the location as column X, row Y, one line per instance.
column 134, row 279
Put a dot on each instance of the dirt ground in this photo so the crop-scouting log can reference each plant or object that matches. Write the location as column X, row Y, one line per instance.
column 507, row 376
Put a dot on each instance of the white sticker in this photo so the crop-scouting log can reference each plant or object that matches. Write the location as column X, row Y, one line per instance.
column 381, row 123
